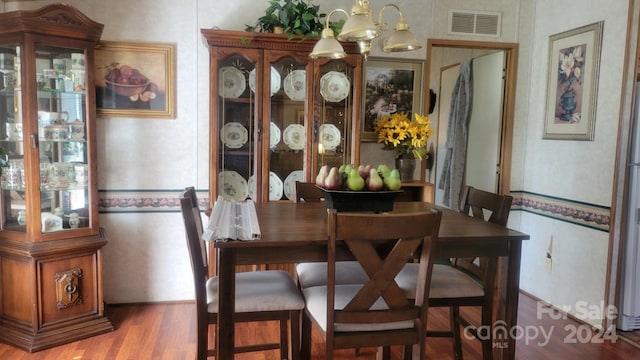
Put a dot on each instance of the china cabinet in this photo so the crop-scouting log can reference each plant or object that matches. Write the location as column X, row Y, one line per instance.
column 50, row 240
column 276, row 114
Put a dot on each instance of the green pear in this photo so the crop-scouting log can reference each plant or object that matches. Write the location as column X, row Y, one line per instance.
column 384, row 170
column 355, row 182
column 393, row 180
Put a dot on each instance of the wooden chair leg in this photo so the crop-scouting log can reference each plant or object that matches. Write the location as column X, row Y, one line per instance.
column 454, row 312
column 284, row 338
column 407, row 352
column 294, row 343
column 305, row 342
column 487, row 344
column 384, row 353
column 203, row 340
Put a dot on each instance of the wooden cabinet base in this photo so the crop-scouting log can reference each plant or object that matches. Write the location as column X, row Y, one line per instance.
column 22, row 336
column 51, row 292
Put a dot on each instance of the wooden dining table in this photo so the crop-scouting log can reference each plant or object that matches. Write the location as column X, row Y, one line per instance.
column 297, row 232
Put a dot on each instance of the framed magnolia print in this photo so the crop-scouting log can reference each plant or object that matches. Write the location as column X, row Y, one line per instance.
column 574, row 61
column 390, row 86
column 135, row 80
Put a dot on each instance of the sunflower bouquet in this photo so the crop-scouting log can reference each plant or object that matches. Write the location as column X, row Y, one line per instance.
column 407, row 137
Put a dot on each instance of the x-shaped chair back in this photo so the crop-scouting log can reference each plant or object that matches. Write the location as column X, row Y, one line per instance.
column 382, row 244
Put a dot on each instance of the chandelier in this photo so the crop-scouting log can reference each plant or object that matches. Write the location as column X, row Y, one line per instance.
column 361, row 28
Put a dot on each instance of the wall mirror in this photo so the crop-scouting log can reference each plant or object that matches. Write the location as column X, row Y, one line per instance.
column 488, row 157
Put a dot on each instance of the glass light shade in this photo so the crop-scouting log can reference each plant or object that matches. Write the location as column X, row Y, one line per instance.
column 359, row 27
column 328, row 46
column 401, row 40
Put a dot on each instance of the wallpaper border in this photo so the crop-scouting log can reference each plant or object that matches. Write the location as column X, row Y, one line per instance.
column 144, row 201
column 576, row 212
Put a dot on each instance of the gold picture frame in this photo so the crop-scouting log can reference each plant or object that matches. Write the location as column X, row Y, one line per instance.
column 143, row 83
column 574, row 65
column 392, row 83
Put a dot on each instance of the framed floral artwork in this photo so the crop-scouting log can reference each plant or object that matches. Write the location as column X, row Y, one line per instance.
column 574, row 61
column 135, row 80
column 390, row 86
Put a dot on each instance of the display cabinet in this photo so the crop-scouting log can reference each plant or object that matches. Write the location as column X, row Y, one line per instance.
column 276, row 114
column 50, row 240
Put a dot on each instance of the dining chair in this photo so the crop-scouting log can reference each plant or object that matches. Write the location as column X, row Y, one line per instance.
column 466, row 281
column 260, row 295
column 308, row 192
column 376, row 312
column 459, row 282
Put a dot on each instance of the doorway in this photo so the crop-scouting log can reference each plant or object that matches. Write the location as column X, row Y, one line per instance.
column 483, row 144
column 440, row 53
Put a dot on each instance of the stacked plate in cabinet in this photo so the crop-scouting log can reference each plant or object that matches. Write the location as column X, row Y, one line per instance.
column 275, row 80
column 231, row 82
column 329, row 136
column 275, row 187
column 290, row 184
column 232, row 185
column 274, row 135
column 334, row 86
column 234, row 135
column 295, row 85
column 294, row 136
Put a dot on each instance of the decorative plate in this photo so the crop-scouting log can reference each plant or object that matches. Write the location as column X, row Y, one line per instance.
column 233, row 135
column 275, row 187
column 329, row 136
column 290, row 184
column 274, row 135
column 233, row 186
column 252, row 187
column 334, row 86
column 294, row 136
column 275, row 80
column 295, row 85
column 231, row 82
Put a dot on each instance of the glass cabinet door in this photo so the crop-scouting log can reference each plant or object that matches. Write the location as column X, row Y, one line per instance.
column 12, row 140
column 61, row 130
column 334, row 93
column 287, row 127
column 236, row 106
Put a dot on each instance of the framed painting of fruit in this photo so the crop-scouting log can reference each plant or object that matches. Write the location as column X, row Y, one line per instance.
column 135, row 80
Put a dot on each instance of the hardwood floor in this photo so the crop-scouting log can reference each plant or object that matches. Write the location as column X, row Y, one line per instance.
column 166, row 331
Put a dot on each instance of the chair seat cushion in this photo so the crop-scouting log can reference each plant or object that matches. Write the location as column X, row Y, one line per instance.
column 271, row 290
column 315, row 273
column 316, row 299
column 446, row 282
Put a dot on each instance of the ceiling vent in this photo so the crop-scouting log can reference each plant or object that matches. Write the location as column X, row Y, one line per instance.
column 474, row 23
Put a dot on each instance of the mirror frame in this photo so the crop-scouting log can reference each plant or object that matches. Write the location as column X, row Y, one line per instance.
column 508, row 111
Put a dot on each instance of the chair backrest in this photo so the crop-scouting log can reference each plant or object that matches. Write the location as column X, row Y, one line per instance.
column 195, row 244
column 478, row 203
column 382, row 244
column 491, row 207
column 308, row 192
